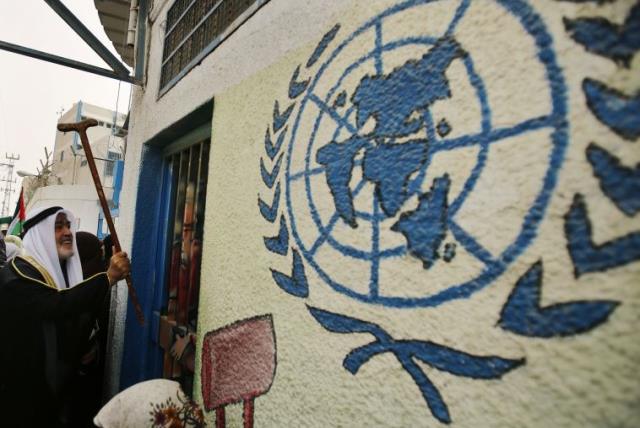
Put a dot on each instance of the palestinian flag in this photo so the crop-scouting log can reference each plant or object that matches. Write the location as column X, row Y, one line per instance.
column 15, row 228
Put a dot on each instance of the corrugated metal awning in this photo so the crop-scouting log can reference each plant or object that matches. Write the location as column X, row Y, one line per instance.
column 114, row 16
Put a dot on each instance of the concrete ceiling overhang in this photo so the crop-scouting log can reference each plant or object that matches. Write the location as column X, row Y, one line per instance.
column 114, row 16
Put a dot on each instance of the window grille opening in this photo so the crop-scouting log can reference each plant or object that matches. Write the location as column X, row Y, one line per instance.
column 189, row 171
column 194, row 28
column 110, row 165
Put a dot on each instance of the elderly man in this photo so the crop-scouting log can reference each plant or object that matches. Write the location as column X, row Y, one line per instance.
column 46, row 313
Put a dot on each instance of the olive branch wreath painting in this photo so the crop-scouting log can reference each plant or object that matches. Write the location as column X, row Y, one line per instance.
column 397, row 170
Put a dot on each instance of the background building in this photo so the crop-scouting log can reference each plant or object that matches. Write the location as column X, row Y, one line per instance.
column 65, row 178
column 107, row 142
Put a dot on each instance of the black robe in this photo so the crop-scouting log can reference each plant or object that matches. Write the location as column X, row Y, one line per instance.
column 43, row 332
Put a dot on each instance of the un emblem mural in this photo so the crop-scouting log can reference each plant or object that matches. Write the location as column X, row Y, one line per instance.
column 381, row 159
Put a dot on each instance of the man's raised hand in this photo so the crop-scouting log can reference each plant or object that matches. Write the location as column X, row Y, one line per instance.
column 119, row 267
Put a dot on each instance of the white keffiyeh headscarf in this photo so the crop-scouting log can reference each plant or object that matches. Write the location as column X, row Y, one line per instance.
column 39, row 242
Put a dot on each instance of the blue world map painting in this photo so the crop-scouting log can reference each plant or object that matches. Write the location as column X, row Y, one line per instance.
column 384, row 139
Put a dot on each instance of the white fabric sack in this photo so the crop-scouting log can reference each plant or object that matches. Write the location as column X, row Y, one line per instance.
column 152, row 403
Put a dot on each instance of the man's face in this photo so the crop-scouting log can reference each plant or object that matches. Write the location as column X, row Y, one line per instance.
column 64, row 237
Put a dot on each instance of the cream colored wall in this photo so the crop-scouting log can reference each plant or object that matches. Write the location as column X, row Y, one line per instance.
column 585, row 380
column 575, row 378
column 248, row 50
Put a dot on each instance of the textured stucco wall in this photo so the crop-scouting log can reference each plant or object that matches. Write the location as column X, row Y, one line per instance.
column 242, row 55
column 530, row 320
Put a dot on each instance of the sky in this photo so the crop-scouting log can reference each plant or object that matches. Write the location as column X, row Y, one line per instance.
column 33, row 93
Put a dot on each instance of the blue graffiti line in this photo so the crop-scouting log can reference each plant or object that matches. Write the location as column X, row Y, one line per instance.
column 470, row 244
column 271, row 149
column 316, row 171
column 618, row 111
column 495, row 135
column 375, row 249
column 437, row 356
column 523, row 315
column 378, row 49
column 279, row 119
column 619, row 183
column 270, row 177
column 269, row 212
column 321, row 170
column 295, row 284
column 460, row 11
column 310, row 173
column 332, row 113
column 602, row 37
column 297, row 87
column 588, row 256
column 325, row 232
column 279, row 244
column 322, row 46
column 416, row 184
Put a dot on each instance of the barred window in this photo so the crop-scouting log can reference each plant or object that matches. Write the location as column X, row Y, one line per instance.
column 194, row 28
column 109, row 166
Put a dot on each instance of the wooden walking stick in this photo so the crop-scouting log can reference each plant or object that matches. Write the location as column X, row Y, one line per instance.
column 81, row 128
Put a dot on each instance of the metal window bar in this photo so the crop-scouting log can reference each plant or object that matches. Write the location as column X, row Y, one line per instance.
column 177, row 8
column 202, row 26
column 189, row 177
column 186, row 38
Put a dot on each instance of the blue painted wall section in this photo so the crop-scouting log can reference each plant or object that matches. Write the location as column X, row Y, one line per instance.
column 588, row 256
column 322, row 46
column 523, row 315
column 621, row 113
column 396, row 163
column 618, row 42
column 407, row 351
column 279, row 244
column 270, row 212
column 296, row 283
column 619, row 183
column 618, row 111
column 269, row 177
column 271, row 149
column 426, row 227
column 279, row 119
column 338, row 158
column 396, row 160
column 297, row 87
column 415, row 86
column 139, row 361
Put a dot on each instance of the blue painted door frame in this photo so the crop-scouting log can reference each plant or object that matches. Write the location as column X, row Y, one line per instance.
column 141, row 360
column 142, row 357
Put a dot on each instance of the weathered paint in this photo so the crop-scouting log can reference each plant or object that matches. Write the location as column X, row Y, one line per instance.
column 435, row 202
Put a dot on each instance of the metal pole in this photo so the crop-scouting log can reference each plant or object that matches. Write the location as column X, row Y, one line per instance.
column 44, row 56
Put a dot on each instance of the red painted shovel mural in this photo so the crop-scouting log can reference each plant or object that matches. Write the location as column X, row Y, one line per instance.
column 238, row 364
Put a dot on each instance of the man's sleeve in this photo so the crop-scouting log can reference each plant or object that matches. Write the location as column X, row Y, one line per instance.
column 48, row 303
column 3, row 252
